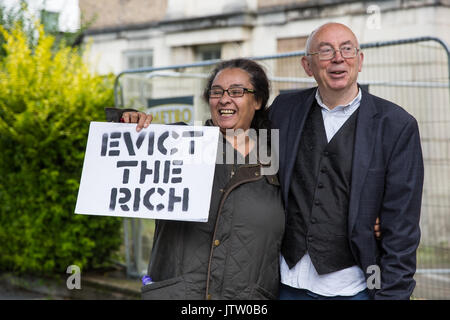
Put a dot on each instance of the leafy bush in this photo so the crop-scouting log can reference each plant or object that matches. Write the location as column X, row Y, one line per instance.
column 47, row 99
column 20, row 14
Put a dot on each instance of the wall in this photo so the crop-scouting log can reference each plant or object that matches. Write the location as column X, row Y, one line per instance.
column 112, row 13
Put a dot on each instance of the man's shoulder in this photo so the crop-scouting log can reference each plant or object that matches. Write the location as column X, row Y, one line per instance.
column 285, row 105
column 389, row 108
column 296, row 94
column 285, row 101
column 381, row 102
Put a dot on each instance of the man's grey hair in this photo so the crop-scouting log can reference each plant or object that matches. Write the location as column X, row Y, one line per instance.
column 311, row 36
column 309, row 40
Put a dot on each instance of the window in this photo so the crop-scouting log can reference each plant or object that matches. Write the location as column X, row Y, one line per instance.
column 139, row 59
column 208, row 52
column 136, row 87
column 289, row 67
column 50, row 20
column 291, row 44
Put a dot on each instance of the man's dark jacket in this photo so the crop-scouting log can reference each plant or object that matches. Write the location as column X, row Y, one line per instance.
column 387, row 181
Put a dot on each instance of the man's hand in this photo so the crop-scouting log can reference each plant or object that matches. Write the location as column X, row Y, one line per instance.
column 143, row 120
column 376, row 229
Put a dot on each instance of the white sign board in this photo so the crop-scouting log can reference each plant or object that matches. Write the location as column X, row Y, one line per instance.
column 161, row 172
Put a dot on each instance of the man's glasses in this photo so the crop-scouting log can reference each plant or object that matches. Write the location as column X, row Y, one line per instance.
column 328, row 52
column 234, row 92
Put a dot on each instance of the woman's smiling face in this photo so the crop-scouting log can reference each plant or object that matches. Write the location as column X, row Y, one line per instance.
column 233, row 113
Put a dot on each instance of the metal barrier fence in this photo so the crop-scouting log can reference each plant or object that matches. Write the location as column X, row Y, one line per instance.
column 414, row 73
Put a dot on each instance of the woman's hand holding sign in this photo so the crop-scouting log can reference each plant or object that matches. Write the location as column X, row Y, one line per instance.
column 143, row 120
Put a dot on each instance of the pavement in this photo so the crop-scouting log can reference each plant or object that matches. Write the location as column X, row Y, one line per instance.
column 115, row 285
column 19, row 294
column 105, row 285
column 432, row 285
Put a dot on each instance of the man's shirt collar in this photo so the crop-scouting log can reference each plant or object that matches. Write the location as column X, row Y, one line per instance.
column 343, row 108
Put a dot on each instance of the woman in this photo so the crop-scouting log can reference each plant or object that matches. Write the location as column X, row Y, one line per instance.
column 235, row 255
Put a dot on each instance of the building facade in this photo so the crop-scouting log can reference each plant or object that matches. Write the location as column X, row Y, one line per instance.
column 127, row 34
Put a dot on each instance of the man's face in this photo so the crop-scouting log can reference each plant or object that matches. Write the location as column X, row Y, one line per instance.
column 337, row 74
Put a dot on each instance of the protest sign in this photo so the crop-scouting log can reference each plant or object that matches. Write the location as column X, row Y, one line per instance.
column 161, row 172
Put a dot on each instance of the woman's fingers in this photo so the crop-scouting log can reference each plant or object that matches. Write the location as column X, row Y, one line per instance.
column 377, row 228
column 148, row 120
column 125, row 117
column 134, row 117
column 141, row 119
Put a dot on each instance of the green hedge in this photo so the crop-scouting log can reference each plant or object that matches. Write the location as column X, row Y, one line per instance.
column 47, row 99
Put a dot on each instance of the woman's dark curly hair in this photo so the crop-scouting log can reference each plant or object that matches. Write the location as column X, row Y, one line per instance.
column 259, row 81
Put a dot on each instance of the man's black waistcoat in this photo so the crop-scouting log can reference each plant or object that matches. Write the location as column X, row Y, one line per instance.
column 319, row 195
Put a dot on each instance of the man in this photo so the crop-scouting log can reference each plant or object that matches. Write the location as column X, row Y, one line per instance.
column 346, row 158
